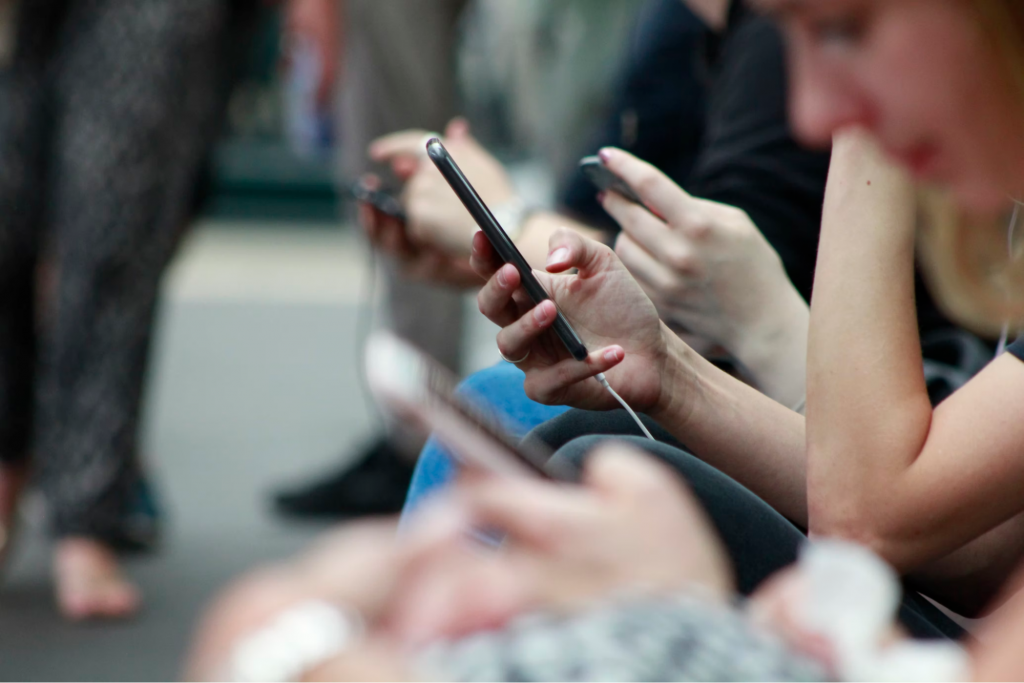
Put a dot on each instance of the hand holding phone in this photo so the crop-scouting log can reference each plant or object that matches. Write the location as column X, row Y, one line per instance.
column 419, row 392
column 602, row 178
column 385, row 202
column 501, row 242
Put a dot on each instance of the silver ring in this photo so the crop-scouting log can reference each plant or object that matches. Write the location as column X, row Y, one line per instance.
column 514, row 362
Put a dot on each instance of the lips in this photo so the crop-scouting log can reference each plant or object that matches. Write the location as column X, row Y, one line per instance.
column 921, row 160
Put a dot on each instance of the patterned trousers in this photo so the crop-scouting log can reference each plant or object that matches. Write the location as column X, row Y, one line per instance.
column 107, row 111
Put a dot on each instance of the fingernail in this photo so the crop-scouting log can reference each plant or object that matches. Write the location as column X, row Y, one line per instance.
column 605, row 155
column 600, row 196
column 502, row 280
column 613, row 354
column 559, row 255
column 542, row 313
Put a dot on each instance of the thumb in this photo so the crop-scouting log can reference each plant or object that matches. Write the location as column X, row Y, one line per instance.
column 568, row 249
column 624, row 473
column 457, row 129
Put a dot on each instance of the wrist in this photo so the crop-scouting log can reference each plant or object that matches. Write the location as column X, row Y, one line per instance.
column 780, row 331
column 678, row 393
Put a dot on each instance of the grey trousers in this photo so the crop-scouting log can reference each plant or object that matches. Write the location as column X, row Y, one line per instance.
column 106, row 111
column 398, row 73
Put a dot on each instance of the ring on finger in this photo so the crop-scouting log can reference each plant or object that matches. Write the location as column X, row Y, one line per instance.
column 514, row 362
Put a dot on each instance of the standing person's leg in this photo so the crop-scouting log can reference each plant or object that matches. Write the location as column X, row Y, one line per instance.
column 23, row 132
column 398, row 73
column 136, row 94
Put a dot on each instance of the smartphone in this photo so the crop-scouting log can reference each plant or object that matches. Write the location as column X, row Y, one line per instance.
column 501, row 242
column 605, row 180
column 417, row 392
column 382, row 200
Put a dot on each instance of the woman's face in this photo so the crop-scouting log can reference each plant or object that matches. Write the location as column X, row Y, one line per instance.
column 922, row 76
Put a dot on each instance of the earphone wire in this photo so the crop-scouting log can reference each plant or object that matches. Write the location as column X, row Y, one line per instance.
column 636, row 418
column 1004, row 336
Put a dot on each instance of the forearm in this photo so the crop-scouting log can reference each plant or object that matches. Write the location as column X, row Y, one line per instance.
column 736, row 429
column 868, row 411
column 533, row 240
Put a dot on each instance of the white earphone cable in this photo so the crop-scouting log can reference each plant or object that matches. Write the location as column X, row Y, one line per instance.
column 604, row 382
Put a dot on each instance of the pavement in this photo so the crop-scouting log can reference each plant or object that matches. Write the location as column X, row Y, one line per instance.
column 254, row 384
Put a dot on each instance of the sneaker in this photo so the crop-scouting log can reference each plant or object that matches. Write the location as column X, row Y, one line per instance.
column 376, row 485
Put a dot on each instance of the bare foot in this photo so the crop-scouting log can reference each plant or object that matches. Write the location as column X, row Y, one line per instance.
column 12, row 482
column 90, row 583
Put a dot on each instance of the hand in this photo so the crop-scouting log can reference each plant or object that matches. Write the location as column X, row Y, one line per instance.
column 631, row 527
column 389, row 236
column 705, row 265
column 436, row 215
column 318, row 22
column 358, row 566
column 603, row 303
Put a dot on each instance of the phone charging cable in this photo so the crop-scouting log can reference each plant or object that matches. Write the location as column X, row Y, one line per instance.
column 636, row 418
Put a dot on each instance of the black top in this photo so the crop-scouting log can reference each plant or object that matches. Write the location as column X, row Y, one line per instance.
column 711, row 112
column 1017, row 347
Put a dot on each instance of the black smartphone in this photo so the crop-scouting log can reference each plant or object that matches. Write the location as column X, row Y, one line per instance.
column 605, row 180
column 383, row 201
column 505, row 247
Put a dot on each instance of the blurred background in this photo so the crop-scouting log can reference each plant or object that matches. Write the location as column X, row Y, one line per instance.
column 254, row 375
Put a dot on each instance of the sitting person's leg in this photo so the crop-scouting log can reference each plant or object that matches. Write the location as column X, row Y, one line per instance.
column 759, row 540
column 499, row 389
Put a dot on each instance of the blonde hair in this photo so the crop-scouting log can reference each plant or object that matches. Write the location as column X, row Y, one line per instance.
column 975, row 266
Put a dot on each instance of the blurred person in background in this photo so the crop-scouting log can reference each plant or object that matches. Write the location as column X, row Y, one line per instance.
column 107, row 112
column 388, row 65
column 399, row 64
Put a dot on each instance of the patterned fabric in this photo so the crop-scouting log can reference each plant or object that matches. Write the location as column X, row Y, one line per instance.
column 106, row 113
column 680, row 638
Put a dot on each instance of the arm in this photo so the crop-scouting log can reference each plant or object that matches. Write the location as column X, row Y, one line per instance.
column 884, row 468
column 732, row 425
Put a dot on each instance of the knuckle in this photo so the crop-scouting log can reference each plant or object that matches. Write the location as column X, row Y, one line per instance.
column 682, row 261
column 647, row 182
column 700, row 230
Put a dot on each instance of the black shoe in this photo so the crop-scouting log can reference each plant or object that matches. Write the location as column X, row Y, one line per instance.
column 376, row 485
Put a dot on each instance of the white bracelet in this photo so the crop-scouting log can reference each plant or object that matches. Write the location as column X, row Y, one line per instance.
column 295, row 642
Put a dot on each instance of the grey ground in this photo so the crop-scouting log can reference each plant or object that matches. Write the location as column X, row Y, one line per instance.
column 254, row 384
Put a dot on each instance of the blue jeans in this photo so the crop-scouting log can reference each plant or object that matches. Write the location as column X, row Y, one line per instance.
column 499, row 387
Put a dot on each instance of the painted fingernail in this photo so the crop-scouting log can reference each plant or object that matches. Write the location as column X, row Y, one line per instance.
column 502, row 280
column 559, row 255
column 613, row 354
column 605, row 155
column 600, row 196
column 542, row 313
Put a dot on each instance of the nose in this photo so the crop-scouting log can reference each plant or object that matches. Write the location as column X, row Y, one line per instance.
column 822, row 99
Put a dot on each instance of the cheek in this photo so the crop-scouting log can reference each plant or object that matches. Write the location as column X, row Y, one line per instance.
column 935, row 81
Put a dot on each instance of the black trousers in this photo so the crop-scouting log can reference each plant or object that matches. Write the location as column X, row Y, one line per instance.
column 759, row 540
column 106, row 114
